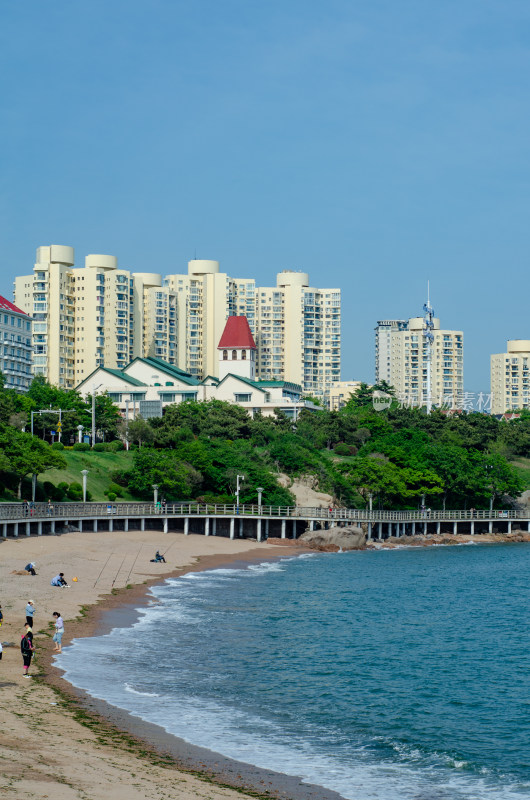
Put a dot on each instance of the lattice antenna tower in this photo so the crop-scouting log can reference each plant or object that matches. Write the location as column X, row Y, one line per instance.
column 428, row 340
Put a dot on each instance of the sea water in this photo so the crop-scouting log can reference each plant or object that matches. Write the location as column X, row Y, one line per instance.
column 386, row 675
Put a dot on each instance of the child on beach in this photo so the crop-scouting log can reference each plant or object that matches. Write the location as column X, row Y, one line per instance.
column 59, row 580
column 59, row 630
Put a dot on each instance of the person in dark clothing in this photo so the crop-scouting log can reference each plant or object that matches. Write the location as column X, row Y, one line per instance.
column 158, row 558
column 27, row 649
column 31, row 568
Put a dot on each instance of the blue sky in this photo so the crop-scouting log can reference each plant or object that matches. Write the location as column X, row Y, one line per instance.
column 373, row 144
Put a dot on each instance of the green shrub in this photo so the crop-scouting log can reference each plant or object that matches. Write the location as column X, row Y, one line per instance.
column 119, row 477
column 101, row 447
column 49, row 488
column 116, row 445
column 84, row 446
column 75, row 491
column 111, row 496
column 63, row 487
column 342, row 449
column 57, row 446
column 114, row 489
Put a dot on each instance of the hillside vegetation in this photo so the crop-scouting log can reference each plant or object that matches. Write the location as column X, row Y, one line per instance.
column 401, row 457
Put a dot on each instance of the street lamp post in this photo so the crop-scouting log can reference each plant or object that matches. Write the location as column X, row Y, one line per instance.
column 370, row 501
column 155, row 486
column 238, row 477
column 84, row 473
column 80, row 430
column 260, row 492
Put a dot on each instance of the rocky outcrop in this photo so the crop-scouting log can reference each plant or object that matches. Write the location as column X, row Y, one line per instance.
column 334, row 539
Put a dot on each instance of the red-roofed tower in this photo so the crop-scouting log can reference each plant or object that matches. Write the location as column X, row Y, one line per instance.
column 237, row 349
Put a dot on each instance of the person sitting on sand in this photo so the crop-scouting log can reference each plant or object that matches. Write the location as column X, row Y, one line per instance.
column 158, row 557
column 31, row 568
column 59, row 580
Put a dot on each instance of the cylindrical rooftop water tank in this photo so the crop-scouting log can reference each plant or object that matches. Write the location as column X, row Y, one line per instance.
column 519, row 345
column 200, row 266
column 101, row 262
column 61, row 254
column 289, row 277
column 148, row 278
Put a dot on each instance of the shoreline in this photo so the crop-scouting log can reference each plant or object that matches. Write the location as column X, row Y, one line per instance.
column 66, row 714
column 121, row 610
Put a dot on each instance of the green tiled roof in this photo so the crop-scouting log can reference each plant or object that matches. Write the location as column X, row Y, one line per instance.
column 168, row 369
column 292, row 387
column 123, row 376
column 254, row 384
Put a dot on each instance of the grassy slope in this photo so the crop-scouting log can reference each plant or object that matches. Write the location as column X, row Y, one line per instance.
column 99, row 466
column 522, row 465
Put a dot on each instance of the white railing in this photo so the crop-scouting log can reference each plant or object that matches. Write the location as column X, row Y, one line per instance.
column 43, row 511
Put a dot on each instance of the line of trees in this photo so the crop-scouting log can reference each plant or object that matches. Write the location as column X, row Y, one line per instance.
column 196, row 450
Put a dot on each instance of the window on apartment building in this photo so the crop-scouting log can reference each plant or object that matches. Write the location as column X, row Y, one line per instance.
column 234, row 355
column 225, row 355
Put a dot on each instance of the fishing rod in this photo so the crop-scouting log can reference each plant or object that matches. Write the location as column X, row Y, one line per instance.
column 118, row 572
column 101, row 573
column 134, row 562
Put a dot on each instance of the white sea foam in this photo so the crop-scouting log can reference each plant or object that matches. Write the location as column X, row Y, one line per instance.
column 132, row 690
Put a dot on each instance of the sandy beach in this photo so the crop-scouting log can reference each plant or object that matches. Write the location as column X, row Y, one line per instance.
column 54, row 743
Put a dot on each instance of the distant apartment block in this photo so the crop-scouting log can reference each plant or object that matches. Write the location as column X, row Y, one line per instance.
column 16, row 350
column 340, row 392
column 402, row 360
column 101, row 315
column 510, row 377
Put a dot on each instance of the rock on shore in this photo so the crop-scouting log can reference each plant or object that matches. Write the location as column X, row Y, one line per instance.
column 330, row 541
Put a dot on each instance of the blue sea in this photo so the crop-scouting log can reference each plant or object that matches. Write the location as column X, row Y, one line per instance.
column 383, row 675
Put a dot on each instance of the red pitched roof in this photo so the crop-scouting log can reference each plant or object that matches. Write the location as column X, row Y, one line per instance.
column 236, row 334
column 5, row 304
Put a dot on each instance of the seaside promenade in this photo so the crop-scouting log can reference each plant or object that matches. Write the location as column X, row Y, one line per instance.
column 247, row 521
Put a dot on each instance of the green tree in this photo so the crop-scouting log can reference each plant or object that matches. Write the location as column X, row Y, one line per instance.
column 25, row 454
column 140, row 432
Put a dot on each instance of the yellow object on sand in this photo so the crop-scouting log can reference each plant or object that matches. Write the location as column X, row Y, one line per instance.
column 74, row 579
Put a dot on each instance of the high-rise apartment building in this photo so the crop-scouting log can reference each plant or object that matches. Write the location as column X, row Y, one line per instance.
column 99, row 315
column 383, row 347
column 402, row 360
column 47, row 295
column 296, row 327
column 510, row 377
column 16, row 352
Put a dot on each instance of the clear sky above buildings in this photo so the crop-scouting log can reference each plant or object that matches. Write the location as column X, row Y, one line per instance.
column 374, row 144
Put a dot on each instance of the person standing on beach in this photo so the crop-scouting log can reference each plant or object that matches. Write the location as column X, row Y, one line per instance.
column 59, row 630
column 27, row 649
column 30, row 610
column 1, row 616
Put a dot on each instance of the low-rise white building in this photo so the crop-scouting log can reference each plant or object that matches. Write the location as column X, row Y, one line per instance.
column 147, row 385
